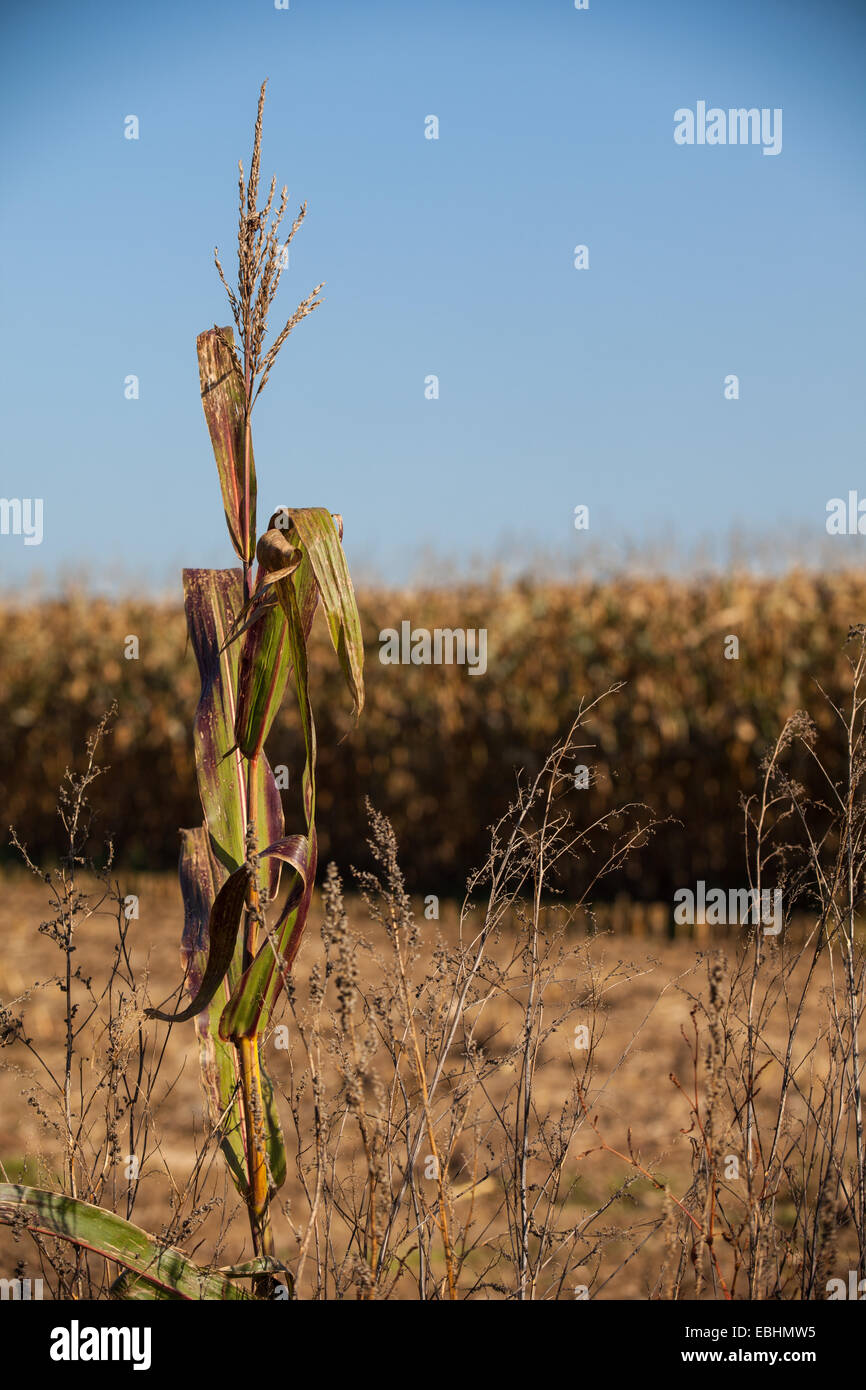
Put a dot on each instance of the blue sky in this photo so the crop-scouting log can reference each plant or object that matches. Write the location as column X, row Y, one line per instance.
column 451, row 257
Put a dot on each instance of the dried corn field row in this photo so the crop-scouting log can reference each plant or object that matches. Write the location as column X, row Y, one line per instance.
column 437, row 749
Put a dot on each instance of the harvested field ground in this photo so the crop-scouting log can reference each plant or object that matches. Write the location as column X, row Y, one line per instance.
column 643, row 990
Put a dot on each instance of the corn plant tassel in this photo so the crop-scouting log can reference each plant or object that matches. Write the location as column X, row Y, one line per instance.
column 249, row 629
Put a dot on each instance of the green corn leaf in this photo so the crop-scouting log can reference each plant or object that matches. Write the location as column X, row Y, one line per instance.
column 320, row 540
column 276, row 1146
column 264, row 672
column 222, row 394
column 226, row 916
column 266, row 663
column 262, row 1264
column 93, row 1228
column 287, row 592
column 132, row 1288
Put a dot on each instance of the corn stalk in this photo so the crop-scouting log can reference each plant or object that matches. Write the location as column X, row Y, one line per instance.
column 249, row 628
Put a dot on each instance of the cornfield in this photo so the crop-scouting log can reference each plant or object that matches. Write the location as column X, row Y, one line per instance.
column 439, row 750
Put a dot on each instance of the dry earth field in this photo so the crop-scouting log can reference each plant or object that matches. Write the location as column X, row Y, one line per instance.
column 638, row 1003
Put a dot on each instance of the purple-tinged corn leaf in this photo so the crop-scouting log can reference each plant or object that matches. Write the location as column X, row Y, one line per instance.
column 200, row 880
column 222, row 395
column 256, row 992
column 270, row 824
column 223, row 927
column 212, row 600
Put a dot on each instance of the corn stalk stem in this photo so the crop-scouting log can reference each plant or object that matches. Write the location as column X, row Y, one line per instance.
column 258, row 1183
column 257, row 1166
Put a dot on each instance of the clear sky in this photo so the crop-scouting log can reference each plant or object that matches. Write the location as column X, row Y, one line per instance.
column 451, row 257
